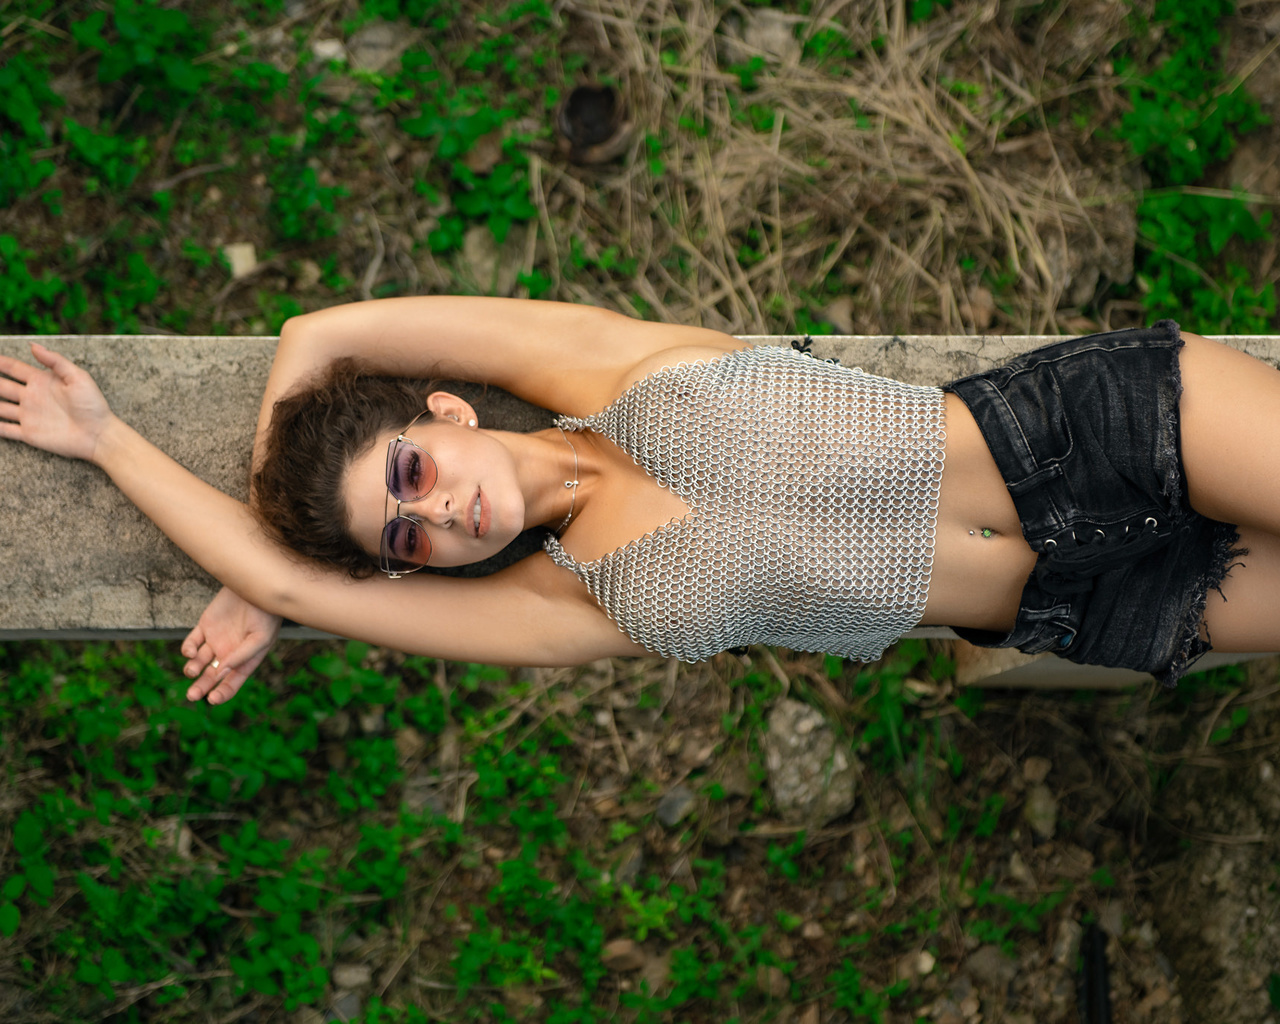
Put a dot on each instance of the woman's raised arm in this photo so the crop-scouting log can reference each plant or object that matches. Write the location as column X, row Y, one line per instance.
column 564, row 357
column 526, row 615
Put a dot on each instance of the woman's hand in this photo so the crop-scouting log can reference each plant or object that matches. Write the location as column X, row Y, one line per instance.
column 58, row 409
column 228, row 643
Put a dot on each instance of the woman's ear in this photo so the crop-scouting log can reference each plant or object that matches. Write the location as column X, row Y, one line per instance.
column 448, row 406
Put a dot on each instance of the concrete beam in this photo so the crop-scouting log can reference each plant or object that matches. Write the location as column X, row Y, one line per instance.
column 78, row 561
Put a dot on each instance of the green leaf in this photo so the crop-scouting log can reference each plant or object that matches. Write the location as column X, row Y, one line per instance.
column 10, row 918
column 13, row 887
column 88, row 972
column 40, row 878
column 115, row 967
column 28, row 836
column 88, row 33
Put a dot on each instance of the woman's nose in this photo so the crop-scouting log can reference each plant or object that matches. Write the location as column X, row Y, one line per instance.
column 435, row 507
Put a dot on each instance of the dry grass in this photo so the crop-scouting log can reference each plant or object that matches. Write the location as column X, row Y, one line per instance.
column 960, row 161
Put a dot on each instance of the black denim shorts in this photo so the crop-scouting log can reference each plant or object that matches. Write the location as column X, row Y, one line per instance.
column 1085, row 433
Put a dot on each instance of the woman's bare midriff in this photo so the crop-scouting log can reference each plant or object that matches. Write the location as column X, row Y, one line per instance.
column 981, row 561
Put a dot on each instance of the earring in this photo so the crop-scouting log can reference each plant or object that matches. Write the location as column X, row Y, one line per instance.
column 453, row 417
column 471, row 423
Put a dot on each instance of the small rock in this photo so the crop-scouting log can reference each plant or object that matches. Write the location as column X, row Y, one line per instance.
column 925, row 962
column 373, row 721
column 813, row 932
column 1036, row 769
column 770, row 981
column 675, row 806
column 630, row 865
column 351, row 975
column 1019, row 871
column 947, row 1011
column 409, row 742
column 1111, row 918
column 991, row 968
column 1266, row 772
column 379, row 45
column 329, row 49
column 308, row 275
column 336, row 726
column 772, row 33
column 345, row 1008
column 1041, row 811
column 485, row 153
column 622, row 955
column 811, row 775
column 243, row 259
column 1066, row 947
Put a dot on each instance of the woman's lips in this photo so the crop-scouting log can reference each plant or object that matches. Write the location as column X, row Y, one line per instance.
column 485, row 512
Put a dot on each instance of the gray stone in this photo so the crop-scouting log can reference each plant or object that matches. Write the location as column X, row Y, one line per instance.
column 630, row 864
column 348, row 976
column 675, row 806
column 811, row 773
column 991, row 968
column 622, row 955
column 1041, row 811
column 346, row 1007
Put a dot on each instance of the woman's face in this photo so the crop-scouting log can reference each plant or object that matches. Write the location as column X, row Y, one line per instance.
column 474, row 510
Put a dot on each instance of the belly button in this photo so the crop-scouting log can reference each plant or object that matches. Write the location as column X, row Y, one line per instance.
column 985, row 532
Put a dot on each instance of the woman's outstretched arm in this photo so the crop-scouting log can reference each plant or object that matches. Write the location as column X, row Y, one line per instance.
column 528, row 614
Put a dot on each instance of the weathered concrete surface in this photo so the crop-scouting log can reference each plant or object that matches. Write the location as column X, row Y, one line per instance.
column 76, row 558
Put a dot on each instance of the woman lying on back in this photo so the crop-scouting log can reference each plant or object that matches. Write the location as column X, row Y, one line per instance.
column 1089, row 498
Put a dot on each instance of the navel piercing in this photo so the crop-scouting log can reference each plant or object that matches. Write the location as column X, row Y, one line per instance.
column 986, row 532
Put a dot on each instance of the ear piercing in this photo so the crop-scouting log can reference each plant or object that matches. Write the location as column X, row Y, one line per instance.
column 471, row 423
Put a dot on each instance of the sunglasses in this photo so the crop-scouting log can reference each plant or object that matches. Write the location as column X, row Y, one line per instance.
column 411, row 473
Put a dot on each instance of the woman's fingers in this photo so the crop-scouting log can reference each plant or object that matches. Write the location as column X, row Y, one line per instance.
column 220, row 679
column 62, row 367
column 228, row 687
column 17, row 369
column 193, row 641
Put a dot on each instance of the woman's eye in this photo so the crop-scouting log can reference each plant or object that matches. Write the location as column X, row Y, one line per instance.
column 414, row 470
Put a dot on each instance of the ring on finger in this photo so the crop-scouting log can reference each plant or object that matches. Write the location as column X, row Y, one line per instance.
column 215, row 663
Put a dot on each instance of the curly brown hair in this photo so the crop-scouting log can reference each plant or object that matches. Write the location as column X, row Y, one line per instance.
column 315, row 433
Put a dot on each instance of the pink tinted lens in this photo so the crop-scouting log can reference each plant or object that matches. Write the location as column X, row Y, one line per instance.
column 405, row 546
column 411, row 472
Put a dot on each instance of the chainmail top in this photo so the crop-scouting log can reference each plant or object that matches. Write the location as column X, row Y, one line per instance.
column 813, row 496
